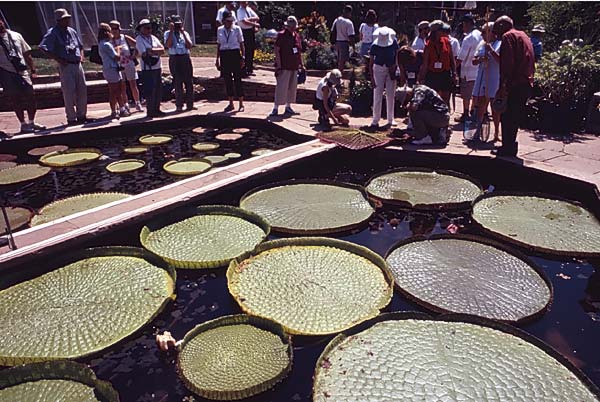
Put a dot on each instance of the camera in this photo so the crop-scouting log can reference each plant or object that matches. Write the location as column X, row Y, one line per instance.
column 17, row 63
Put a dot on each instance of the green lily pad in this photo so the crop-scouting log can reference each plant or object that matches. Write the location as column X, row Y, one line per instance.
column 22, row 173
column 155, row 139
column 72, row 205
column 125, row 165
column 17, row 218
column 187, row 166
column 205, row 146
column 71, row 157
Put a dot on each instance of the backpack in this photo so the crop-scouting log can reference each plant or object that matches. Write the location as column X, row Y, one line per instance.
column 95, row 55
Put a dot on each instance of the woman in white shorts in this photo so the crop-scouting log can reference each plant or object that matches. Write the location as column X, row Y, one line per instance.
column 125, row 45
column 111, row 70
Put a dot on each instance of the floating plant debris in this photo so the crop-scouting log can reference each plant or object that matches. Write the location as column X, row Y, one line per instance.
column 408, row 359
column 125, row 165
column 155, row 139
column 22, row 173
column 545, row 224
column 310, row 207
column 46, row 150
column 467, row 275
column 71, row 157
column 205, row 146
column 187, row 166
column 426, row 189
column 311, row 285
column 64, row 381
column 72, row 205
column 234, row 357
column 103, row 296
column 204, row 237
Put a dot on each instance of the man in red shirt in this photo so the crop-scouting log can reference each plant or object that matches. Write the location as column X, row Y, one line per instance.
column 288, row 60
column 517, row 67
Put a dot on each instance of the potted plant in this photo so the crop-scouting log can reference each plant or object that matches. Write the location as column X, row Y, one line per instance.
column 361, row 93
column 568, row 79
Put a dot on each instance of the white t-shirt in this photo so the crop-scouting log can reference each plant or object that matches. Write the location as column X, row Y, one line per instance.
column 178, row 46
column 242, row 14
column 455, row 45
column 229, row 39
column 220, row 14
column 467, row 50
column 418, row 44
column 21, row 47
column 367, row 32
column 332, row 90
column 344, row 28
column 142, row 44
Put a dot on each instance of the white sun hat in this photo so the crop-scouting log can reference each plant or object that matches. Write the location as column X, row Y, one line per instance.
column 384, row 36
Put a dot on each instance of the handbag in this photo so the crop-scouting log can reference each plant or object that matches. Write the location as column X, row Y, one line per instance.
column 95, row 55
column 301, row 77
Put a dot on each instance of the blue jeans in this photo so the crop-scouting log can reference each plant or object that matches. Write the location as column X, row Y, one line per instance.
column 152, row 88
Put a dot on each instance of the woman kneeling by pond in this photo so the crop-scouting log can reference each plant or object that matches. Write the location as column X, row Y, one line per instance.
column 325, row 101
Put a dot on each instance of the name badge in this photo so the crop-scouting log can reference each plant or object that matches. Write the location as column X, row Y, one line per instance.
column 437, row 65
column 295, row 50
column 411, row 76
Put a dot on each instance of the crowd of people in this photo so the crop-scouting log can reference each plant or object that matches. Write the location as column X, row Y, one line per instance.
column 493, row 65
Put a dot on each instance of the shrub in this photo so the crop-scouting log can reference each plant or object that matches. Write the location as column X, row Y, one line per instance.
column 320, row 57
column 569, row 75
column 262, row 57
column 314, row 28
column 261, row 41
column 273, row 14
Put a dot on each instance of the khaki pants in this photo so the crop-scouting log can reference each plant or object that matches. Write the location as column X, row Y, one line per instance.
column 383, row 80
column 72, row 83
column 287, row 83
column 428, row 122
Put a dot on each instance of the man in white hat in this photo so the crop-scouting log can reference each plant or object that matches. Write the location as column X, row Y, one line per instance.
column 63, row 44
column 383, row 66
column 326, row 100
column 537, row 33
column 418, row 44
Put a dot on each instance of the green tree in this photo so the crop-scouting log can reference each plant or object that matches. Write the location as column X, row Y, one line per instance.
column 273, row 14
column 567, row 20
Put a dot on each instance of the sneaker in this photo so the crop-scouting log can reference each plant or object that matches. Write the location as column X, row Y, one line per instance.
column 191, row 107
column 72, row 122
column 274, row 112
column 290, row 111
column 461, row 119
column 229, row 108
column 114, row 115
column 38, row 127
column 179, row 109
column 392, row 124
column 423, row 141
column 138, row 107
column 125, row 112
column 26, row 128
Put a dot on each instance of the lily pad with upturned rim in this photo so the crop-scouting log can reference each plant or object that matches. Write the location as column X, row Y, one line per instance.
column 354, row 139
column 155, row 139
column 204, row 130
column 95, row 299
column 309, row 206
column 205, row 146
column 232, row 155
column 216, row 159
column 125, row 165
column 241, row 130
column 71, row 157
column 7, row 157
column 63, row 380
column 470, row 275
column 204, row 237
column 424, row 188
column 539, row 222
column 262, row 151
column 410, row 356
column 22, row 173
column 18, row 217
column 228, row 137
column 311, row 285
column 234, row 357
column 46, row 150
column 7, row 165
column 72, row 205
column 135, row 150
column 187, row 166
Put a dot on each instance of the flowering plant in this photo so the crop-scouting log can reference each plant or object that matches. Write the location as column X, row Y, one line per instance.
column 314, row 28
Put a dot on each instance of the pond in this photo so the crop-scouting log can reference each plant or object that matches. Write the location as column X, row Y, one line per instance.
column 571, row 325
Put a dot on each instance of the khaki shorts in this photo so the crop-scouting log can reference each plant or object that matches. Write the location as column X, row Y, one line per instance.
column 466, row 88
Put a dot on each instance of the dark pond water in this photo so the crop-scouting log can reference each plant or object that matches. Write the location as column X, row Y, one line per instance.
column 93, row 177
column 571, row 325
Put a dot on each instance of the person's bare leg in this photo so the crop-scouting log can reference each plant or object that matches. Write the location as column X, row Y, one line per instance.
column 134, row 91
column 112, row 98
column 121, row 94
column 241, row 102
column 496, row 119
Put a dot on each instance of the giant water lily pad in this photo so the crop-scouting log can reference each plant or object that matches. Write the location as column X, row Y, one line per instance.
column 354, row 139
column 7, row 165
column 22, row 173
column 187, row 166
column 98, row 298
column 136, row 149
column 216, row 159
column 63, row 381
column 469, row 275
column 71, row 157
column 204, row 237
column 310, row 207
column 72, row 205
column 262, row 151
column 46, row 150
column 125, row 165
column 228, row 137
column 17, row 218
column 155, row 139
column 542, row 223
column 311, row 285
column 205, row 146
column 407, row 359
column 234, row 357
column 7, row 157
column 424, row 189
column 204, row 130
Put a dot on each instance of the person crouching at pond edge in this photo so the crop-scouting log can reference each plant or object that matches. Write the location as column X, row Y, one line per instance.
column 428, row 113
column 383, row 73
column 150, row 48
column 325, row 100
column 230, row 59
